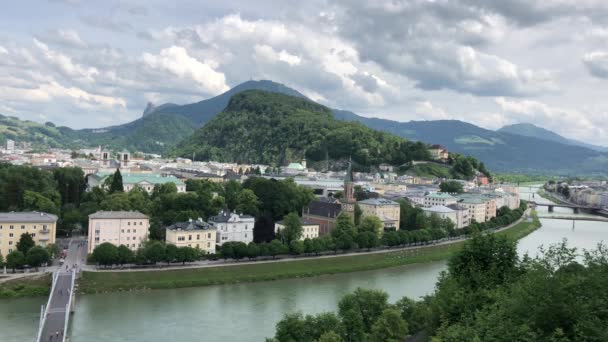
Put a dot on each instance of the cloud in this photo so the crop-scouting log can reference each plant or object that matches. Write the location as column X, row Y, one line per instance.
column 65, row 38
column 568, row 122
column 107, row 23
column 65, row 65
column 597, row 63
column 267, row 52
column 177, row 61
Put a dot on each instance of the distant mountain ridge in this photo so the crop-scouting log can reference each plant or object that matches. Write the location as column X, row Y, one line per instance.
column 530, row 130
column 510, row 149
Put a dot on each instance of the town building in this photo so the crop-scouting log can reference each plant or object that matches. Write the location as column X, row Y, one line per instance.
column 310, row 230
column 129, row 228
column 439, row 152
column 441, row 211
column 440, row 198
column 145, row 181
column 231, row 226
column 463, row 219
column 389, row 212
column 195, row 234
column 476, row 207
column 296, row 168
column 41, row 226
column 324, row 213
column 348, row 203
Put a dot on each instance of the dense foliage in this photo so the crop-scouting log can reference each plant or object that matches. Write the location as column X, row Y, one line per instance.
column 487, row 294
column 271, row 128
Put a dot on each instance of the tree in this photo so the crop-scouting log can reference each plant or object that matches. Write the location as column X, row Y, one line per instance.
column 106, row 254
column 154, row 251
column 330, row 336
column 34, row 201
column 1, row 260
column 292, row 230
column 296, row 247
column 253, row 250
column 240, row 250
column 390, row 327
column 358, row 214
column 227, row 250
column 25, row 243
column 276, row 247
column 116, row 184
column 15, row 259
column 71, row 184
column 186, row 254
column 368, row 303
column 170, row 253
column 248, row 203
column 37, row 256
column 371, row 224
column 451, row 187
column 125, row 255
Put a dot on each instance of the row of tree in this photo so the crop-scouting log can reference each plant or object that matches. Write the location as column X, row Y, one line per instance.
column 152, row 252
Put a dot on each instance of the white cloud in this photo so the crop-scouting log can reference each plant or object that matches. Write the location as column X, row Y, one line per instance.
column 65, row 64
column 568, row 122
column 267, row 52
column 177, row 61
column 597, row 63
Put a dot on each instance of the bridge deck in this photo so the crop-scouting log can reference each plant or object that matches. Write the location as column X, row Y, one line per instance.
column 56, row 315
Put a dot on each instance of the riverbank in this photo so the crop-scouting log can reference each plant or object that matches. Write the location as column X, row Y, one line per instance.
column 36, row 285
column 95, row 282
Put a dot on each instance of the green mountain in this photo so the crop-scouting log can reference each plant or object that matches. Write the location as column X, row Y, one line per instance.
column 500, row 151
column 201, row 112
column 37, row 134
column 272, row 128
column 154, row 133
column 530, row 130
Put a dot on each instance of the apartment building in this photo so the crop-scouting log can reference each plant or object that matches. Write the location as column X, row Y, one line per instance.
column 42, row 227
column 195, row 234
column 129, row 228
column 439, row 199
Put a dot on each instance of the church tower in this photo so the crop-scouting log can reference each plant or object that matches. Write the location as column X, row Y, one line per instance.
column 348, row 204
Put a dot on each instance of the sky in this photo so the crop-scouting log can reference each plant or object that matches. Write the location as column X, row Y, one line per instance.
column 491, row 63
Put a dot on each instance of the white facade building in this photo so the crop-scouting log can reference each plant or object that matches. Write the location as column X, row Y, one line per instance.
column 232, row 227
column 439, row 199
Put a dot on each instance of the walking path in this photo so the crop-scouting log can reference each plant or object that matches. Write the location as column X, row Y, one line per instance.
column 221, row 263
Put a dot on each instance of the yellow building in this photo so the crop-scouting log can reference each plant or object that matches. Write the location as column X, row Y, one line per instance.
column 41, row 226
column 195, row 234
column 310, row 230
column 389, row 212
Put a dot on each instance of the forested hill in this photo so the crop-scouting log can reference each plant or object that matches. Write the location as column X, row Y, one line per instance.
column 272, row 128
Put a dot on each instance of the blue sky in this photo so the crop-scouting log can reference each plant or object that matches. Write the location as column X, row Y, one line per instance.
column 92, row 63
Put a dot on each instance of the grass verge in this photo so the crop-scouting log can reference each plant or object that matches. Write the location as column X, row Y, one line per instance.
column 95, row 282
column 33, row 286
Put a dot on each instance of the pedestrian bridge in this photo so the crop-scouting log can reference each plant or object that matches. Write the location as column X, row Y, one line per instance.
column 55, row 315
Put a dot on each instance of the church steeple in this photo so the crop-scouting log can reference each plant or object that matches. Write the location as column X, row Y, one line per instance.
column 349, row 193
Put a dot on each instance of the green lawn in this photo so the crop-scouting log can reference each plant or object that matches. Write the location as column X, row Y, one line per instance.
column 26, row 287
column 92, row 282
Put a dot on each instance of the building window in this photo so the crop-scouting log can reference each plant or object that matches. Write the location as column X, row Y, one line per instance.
column 10, row 235
column 122, row 230
column 197, row 245
column 140, row 223
column 11, row 227
column 128, row 223
column 208, row 235
column 10, row 243
column 128, row 230
column 189, row 237
column 181, row 238
column 22, row 227
column 198, row 236
column 0, row 227
column 33, row 235
column 208, row 245
column 10, row 250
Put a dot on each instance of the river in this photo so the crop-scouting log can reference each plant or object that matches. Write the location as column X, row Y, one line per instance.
column 249, row 312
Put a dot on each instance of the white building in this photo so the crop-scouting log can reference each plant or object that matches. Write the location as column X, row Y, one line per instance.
column 439, row 199
column 145, row 181
column 232, row 227
column 310, row 230
column 127, row 228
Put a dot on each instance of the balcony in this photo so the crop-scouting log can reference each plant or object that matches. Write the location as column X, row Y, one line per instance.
column 44, row 231
column 44, row 237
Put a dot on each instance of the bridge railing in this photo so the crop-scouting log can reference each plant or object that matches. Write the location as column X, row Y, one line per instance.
column 46, row 308
column 68, row 306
